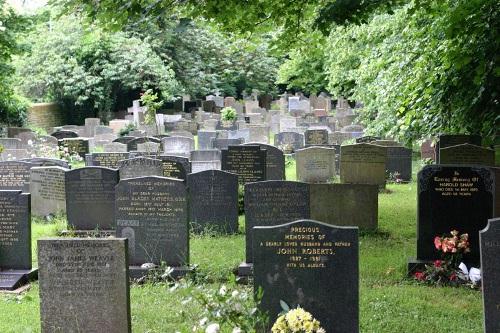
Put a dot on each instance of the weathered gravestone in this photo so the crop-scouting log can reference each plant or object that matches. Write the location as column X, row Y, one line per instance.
column 316, row 137
column 149, row 147
column 367, row 139
column 115, row 147
column 48, row 196
column 315, row 164
column 275, row 161
column 213, row 201
column 363, row 164
column 448, row 140
column 15, row 175
column 177, row 145
column 64, row 134
column 90, row 198
column 490, row 274
column 398, row 162
column 205, row 139
column 248, row 162
column 467, row 154
column 172, row 166
column 152, row 212
column 76, row 146
column 221, row 143
column 132, row 144
column 125, row 140
column 311, row 264
column 15, row 239
column 140, row 167
column 289, row 142
column 452, row 198
column 108, row 160
column 84, row 285
column 11, row 143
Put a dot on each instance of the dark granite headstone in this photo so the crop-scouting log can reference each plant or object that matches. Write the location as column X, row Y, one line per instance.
column 152, row 212
column 453, row 198
column 399, row 161
column 448, row 140
column 172, row 166
column 15, row 175
column 490, row 275
column 84, row 285
column 132, row 144
column 77, row 146
column 271, row 203
column 275, row 161
column 467, row 154
column 64, row 134
column 248, row 162
column 140, row 167
column 214, row 201
column 90, row 198
column 311, row 264
column 316, row 137
column 289, row 142
column 108, row 160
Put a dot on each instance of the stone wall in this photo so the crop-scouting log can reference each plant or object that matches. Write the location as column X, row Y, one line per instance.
column 45, row 115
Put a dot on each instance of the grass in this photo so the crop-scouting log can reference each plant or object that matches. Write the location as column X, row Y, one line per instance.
column 388, row 301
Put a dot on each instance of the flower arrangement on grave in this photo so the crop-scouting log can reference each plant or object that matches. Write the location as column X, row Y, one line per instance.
column 297, row 320
column 450, row 270
column 65, row 154
column 228, row 116
column 149, row 99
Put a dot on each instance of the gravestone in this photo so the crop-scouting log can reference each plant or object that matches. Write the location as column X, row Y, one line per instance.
column 315, row 164
column 427, row 150
column 77, row 146
column 362, row 163
column 140, row 167
column 243, row 134
column 15, row 239
column 125, row 139
column 448, row 140
column 11, row 143
column 115, row 147
column 132, row 144
column 42, row 161
column 367, row 139
column 490, row 274
column 311, row 264
column 84, row 285
column 205, row 139
column 12, row 132
column 453, row 198
column 152, row 212
column 399, row 162
column 316, row 137
column 108, row 160
column 468, row 154
column 275, row 161
column 213, row 201
column 221, row 143
column 48, row 196
column 101, row 129
column 149, row 147
column 181, row 146
column 90, row 198
column 258, row 133
column 64, row 134
column 205, row 155
column 289, row 142
column 248, row 162
column 90, row 126
column 15, row 175
column 175, row 166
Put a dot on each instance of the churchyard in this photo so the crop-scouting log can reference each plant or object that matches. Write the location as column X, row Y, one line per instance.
column 208, row 223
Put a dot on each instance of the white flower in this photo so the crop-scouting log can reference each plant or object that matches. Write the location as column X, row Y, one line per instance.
column 237, row 330
column 203, row 321
column 235, row 293
column 222, row 290
column 213, row 328
column 30, row 142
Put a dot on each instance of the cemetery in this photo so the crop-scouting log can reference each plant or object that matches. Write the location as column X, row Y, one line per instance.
column 147, row 185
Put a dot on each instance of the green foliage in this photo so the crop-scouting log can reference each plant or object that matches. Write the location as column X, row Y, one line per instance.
column 228, row 114
column 127, row 129
column 149, row 99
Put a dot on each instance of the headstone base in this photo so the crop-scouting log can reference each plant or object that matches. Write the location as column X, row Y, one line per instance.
column 88, row 233
column 137, row 272
column 416, row 265
column 245, row 269
column 13, row 279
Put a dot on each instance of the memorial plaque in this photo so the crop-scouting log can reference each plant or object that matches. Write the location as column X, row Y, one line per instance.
column 289, row 142
column 48, row 196
column 316, row 137
column 315, row 164
column 448, row 140
column 90, row 198
column 64, row 134
column 275, row 161
column 399, row 162
column 311, row 264
column 467, row 154
column 345, row 204
column 453, row 198
column 76, row 146
column 140, row 167
column 490, row 275
column 84, row 285
column 271, row 203
column 152, row 212
column 132, row 144
column 214, row 201
column 15, row 175
column 15, row 231
column 248, row 162
column 362, row 163
column 108, row 160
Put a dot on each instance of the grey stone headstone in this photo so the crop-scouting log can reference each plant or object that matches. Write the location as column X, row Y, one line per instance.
column 243, row 134
column 205, row 139
column 316, row 137
column 490, row 274
column 214, row 201
column 323, row 279
column 156, row 209
column 205, row 155
column 14, row 154
column 47, row 190
column 90, row 126
column 132, row 145
column 181, row 146
column 149, row 147
column 103, row 130
column 90, row 198
column 11, row 143
column 140, row 167
column 467, row 153
column 115, row 147
column 84, row 285
column 15, row 175
column 41, row 161
column 289, row 142
column 259, row 134
column 199, row 166
column 108, row 160
column 225, row 143
column 315, row 164
column 125, row 140
column 363, row 163
column 248, row 162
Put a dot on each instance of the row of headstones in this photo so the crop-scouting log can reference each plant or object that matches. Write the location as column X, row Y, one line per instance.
column 294, row 254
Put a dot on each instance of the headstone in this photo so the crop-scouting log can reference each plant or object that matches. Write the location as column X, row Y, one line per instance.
column 115, row 147
column 11, row 143
column 490, row 274
column 64, row 134
column 259, row 133
column 76, row 146
column 12, row 132
column 243, row 134
column 222, row 144
column 467, row 153
column 398, row 162
column 315, row 164
column 428, row 150
column 287, row 124
column 316, row 137
column 175, row 166
column 181, row 146
column 205, row 155
column 14, row 154
column 84, row 285
column 311, row 264
column 275, row 161
column 362, row 163
column 293, row 103
column 448, row 140
column 367, row 139
column 132, row 144
column 140, row 167
column 248, row 162
column 205, row 139
column 15, row 175
column 152, row 212
column 214, row 201
column 41, row 161
column 108, row 160
column 289, row 142
column 100, row 130
column 125, row 139
column 90, row 126
column 90, row 198
column 48, row 196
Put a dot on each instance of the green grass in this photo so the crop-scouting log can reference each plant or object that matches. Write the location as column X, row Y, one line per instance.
column 388, row 301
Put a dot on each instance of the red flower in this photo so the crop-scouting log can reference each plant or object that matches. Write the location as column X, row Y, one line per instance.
column 437, row 263
column 437, row 242
column 420, row 276
column 453, row 277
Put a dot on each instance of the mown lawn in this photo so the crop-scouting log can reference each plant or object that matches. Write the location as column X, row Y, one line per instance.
column 388, row 301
